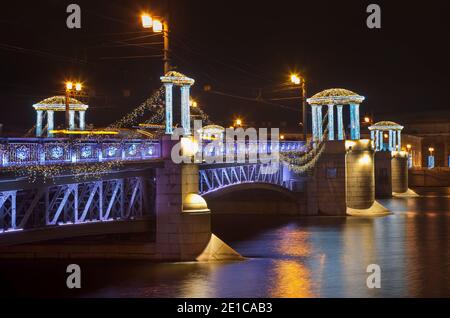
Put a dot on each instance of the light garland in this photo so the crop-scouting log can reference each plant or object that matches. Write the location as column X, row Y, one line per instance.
column 153, row 103
column 302, row 162
column 335, row 96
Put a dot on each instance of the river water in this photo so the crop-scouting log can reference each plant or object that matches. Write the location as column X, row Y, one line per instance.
column 302, row 257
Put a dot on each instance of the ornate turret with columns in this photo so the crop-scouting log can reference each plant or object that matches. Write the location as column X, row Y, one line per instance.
column 394, row 137
column 169, row 80
column 58, row 104
column 335, row 97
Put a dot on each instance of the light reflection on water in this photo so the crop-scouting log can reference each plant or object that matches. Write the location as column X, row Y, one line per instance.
column 304, row 257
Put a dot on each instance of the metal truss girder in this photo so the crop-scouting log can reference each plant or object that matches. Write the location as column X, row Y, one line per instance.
column 94, row 193
column 93, row 201
column 114, row 197
column 7, row 210
column 215, row 178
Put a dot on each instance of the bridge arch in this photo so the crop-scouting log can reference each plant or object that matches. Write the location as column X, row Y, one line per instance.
column 254, row 197
column 238, row 187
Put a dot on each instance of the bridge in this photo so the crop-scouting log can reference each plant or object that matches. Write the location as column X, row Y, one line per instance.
column 74, row 195
column 60, row 188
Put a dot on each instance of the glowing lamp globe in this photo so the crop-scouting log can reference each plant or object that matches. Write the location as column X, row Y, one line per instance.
column 194, row 203
column 157, row 26
column 295, row 79
column 189, row 146
column 147, row 21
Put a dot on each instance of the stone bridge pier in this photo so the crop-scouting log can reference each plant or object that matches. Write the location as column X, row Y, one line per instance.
column 341, row 183
column 183, row 220
column 326, row 190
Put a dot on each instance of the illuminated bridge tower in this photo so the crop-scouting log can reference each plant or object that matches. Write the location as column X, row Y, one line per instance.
column 169, row 80
column 335, row 97
column 393, row 135
column 58, row 104
column 389, row 159
column 347, row 163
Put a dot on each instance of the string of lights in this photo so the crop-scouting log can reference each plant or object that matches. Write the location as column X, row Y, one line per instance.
column 302, row 162
column 153, row 103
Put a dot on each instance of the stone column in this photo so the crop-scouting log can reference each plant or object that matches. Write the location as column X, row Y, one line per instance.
column 169, row 108
column 314, row 121
column 354, row 122
column 39, row 114
column 380, row 137
column 394, row 141
column 319, row 122
column 185, row 110
column 340, row 123
column 330, row 122
column 390, row 141
column 50, row 122
column 71, row 119
column 377, row 137
column 399, row 140
column 82, row 114
column 372, row 137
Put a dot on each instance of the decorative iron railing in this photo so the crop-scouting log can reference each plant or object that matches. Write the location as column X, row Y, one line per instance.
column 38, row 151
column 248, row 148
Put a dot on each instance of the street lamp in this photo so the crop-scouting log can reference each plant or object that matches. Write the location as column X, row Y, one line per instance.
column 409, row 153
column 194, row 103
column 300, row 80
column 147, row 21
column 295, row 79
column 159, row 26
column 238, row 122
column 431, row 158
column 69, row 91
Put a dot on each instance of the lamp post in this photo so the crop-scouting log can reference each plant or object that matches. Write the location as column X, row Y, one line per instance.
column 300, row 80
column 70, row 87
column 431, row 158
column 159, row 26
column 409, row 152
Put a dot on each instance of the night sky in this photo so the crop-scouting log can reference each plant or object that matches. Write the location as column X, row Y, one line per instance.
column 238, row 48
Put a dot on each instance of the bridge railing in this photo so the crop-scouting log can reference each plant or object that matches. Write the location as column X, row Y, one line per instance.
column 45, row 151
column 249, row 148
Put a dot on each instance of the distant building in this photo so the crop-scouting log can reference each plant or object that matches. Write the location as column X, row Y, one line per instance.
column 426, row 130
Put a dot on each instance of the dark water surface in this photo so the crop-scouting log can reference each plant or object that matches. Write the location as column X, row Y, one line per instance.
column 303, row 257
